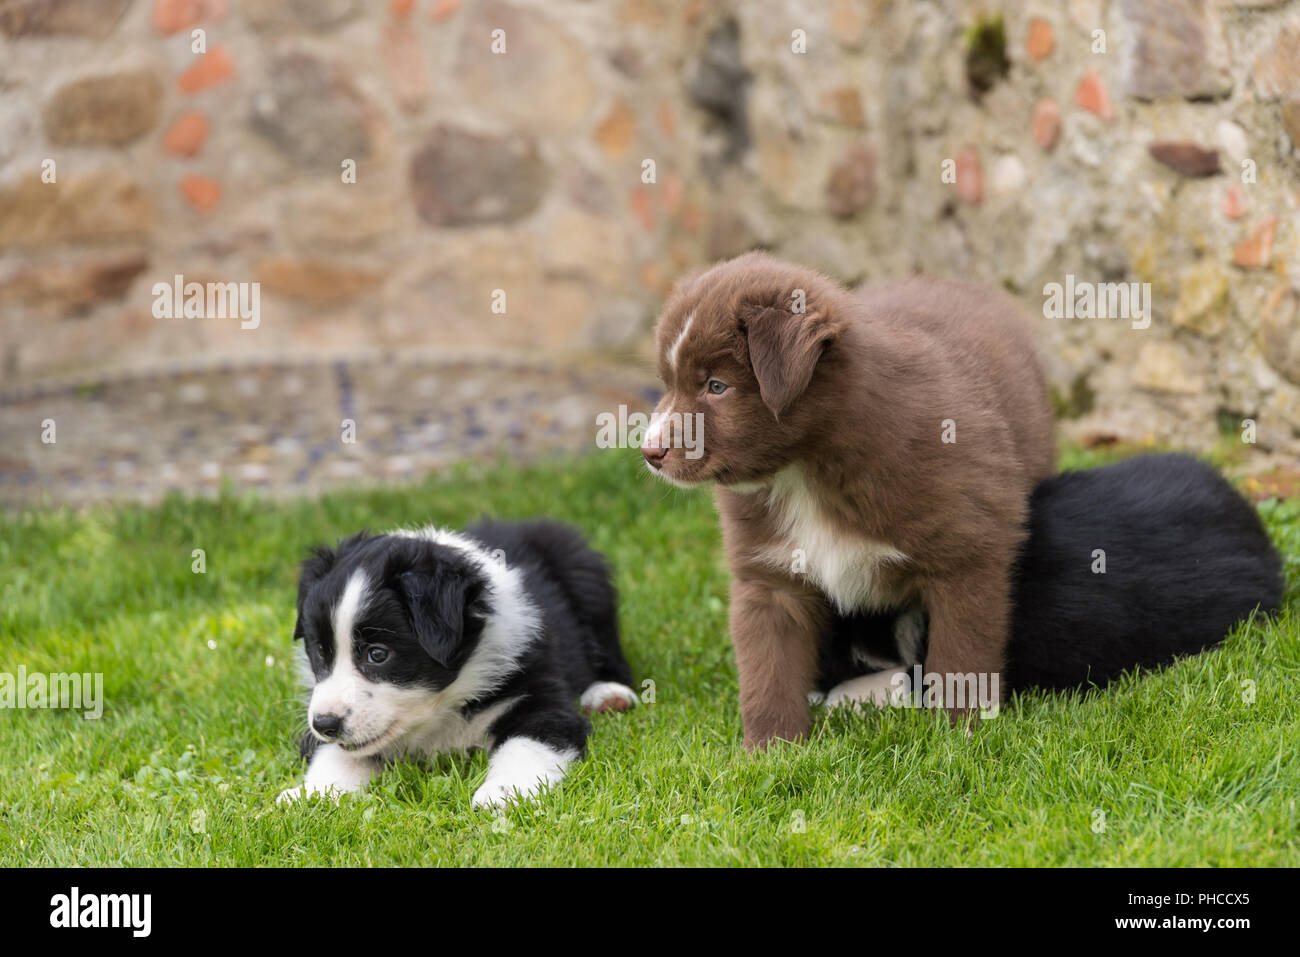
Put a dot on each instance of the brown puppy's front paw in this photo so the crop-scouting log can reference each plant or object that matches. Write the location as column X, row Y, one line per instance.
column 967, row 719
column 758, row 735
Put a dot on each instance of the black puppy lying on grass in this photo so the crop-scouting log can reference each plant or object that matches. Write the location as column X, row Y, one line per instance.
column 1130, row 565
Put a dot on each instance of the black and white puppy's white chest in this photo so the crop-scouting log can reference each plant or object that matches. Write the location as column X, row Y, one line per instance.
column 426, row 641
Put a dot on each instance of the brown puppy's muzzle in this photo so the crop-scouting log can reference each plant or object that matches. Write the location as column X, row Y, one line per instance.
column 654, row 455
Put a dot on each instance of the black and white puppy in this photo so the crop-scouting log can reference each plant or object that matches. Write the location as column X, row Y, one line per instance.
column 425, row 640
column 1185, row 558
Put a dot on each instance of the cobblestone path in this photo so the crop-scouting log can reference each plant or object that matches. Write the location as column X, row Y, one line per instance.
column 280, row 428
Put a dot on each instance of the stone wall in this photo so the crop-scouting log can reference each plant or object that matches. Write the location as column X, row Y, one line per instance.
column 1147, row 141
column 474, row 172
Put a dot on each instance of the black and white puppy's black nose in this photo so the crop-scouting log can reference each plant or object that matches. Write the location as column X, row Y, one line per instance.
column 328, row 726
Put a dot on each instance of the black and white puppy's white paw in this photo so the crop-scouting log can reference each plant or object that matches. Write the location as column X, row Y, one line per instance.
column 332, row 772
column 607, row 696
column 519, row 769
column 881, row 689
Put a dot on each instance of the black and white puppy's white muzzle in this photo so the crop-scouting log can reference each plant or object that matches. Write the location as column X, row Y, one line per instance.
column 423, row 641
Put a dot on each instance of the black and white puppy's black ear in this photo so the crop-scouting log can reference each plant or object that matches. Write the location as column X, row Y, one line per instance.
column 323, row 558
column 441, row 593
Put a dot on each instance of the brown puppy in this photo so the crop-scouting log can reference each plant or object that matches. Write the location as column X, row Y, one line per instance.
column 871, row 450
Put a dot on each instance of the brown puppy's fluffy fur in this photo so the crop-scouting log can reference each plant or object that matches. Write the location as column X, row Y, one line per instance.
column 833, row 483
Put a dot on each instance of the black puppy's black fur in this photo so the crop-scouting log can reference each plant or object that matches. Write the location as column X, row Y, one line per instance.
column 571, row 584
column 1186, row 558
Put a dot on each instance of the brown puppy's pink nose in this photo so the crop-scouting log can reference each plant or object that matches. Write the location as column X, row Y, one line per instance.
column 654, row 454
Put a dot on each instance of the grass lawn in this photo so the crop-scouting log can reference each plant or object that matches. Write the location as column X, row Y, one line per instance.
column 203, row 708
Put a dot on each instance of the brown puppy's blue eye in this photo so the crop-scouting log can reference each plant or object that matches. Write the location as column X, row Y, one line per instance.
column 717, row 386
column 377, row 654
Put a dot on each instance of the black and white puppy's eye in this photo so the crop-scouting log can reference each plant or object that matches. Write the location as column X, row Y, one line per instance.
column 377, row 654
column 717, row 387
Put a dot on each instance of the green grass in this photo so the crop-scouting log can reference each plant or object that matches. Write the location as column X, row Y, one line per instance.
column 195, row 742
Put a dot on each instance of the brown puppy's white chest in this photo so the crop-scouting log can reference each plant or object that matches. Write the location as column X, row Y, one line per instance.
column 855, row 573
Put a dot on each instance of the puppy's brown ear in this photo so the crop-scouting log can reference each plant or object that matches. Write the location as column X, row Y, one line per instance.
column 784, row 347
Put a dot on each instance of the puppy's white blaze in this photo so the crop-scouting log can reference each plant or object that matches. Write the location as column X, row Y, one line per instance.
column 845, row 567
column 337, row 693
column 520, row 768
column 677, row 343
column 350, row 606
column 601, row 694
